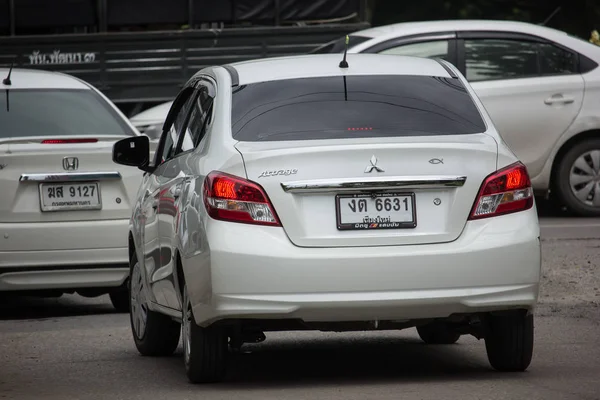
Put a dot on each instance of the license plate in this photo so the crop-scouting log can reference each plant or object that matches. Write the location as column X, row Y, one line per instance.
column 70, row 196
column 376, row 211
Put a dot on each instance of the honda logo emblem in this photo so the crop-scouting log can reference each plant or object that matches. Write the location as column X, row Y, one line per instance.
column 70, row 163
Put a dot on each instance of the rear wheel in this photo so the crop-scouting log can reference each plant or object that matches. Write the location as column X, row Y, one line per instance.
column 509, row 341
column 578, row 178
column 154, row 334
column 437, row 333
column 205, row 350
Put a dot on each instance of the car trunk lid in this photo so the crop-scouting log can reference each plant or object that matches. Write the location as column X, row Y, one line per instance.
column 312, row 185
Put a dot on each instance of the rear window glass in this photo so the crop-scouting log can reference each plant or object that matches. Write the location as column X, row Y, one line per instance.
column 355, row 107
column 338, row 45
column 57, row 113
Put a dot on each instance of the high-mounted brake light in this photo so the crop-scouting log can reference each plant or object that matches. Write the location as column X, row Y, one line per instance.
column 503, row 192
column 230, row 198
column 68, row 141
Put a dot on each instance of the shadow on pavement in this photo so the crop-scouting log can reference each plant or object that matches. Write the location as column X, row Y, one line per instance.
column 15, row 307
column 339, row 362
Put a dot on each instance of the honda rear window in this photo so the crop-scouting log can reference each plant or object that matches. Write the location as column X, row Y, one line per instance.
column 355, row 107
column 33, row 112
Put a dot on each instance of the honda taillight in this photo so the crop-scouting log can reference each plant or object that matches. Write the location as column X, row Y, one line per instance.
column 69, row 141
column 503, row 192
column 230, row 198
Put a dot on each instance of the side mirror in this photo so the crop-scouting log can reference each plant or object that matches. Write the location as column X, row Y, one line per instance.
column 133, row 151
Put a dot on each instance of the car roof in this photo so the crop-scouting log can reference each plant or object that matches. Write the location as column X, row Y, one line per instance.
column 156, row 113
column 22, row 78
column 316, row 65
column 409, row 28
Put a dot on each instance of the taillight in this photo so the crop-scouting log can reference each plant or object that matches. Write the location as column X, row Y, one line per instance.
column 230, row 198
column 68, row 141
column 503, row 192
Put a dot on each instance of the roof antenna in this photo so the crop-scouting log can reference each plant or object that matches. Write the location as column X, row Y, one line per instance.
column 6, row 80
column 344, row 63
column 551, row 16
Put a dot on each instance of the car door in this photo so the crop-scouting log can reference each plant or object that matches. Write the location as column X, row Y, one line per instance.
column 185, row 226
column 530, row 87
column 167, row 187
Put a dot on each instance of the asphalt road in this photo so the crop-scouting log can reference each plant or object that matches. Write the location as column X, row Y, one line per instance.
column 76, row 348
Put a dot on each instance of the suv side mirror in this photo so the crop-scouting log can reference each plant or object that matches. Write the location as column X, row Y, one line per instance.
column 133, row 151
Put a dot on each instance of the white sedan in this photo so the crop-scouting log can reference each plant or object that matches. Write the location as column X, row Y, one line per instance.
column 318, row 196
column 64, row 205
column 540, row 86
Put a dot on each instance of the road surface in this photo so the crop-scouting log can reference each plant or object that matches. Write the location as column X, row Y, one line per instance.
column 75, row 348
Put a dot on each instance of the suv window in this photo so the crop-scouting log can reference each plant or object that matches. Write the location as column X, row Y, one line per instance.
column 179, row 123
column 429, row 49
column 352, row 107
column 52, row 112
column 488, row 59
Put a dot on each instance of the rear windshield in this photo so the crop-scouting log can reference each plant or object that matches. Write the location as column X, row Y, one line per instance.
column 26, row 112
column 353, row 107
column 338, row 45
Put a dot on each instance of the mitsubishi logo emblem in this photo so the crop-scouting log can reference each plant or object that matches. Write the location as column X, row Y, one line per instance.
column 373, row 166
column 70, row 163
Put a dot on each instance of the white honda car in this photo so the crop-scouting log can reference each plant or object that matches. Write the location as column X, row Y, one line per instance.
column 540, row 86
column 64, row 205
column 301, row 193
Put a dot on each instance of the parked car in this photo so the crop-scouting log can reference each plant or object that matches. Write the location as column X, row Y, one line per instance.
column 297, row 193
column 150, row 122
column 64, row 205
column 540, row 86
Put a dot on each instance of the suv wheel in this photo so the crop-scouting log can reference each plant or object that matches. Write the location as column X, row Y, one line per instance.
column 578, row 178
column 509, row 341
column 437, row 333
column 154, row 334
column 205, row 350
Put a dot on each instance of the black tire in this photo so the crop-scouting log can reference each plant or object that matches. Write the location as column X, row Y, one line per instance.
column 561, row 181
column 120, row 300
column 206, row 354
column 509, row 341
column 437, row 333
column 161, row 334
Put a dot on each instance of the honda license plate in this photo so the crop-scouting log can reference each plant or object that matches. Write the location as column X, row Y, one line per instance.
column 70, row 196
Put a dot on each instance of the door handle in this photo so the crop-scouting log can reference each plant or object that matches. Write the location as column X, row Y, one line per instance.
column 559, row 98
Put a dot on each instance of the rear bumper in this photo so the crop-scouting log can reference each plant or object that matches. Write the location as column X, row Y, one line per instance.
column 65, row 255
column 494, row 265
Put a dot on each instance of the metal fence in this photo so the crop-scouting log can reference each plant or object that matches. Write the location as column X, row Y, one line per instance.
column 152, row 66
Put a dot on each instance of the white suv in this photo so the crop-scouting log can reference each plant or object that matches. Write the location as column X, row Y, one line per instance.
column 540, row 86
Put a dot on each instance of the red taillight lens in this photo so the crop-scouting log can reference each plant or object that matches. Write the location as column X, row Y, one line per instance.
column 229, row 198
column 505, row 191
column 68, row 141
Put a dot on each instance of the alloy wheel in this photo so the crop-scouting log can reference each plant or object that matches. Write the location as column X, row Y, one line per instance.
column 584, row 178
column 139, row 307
